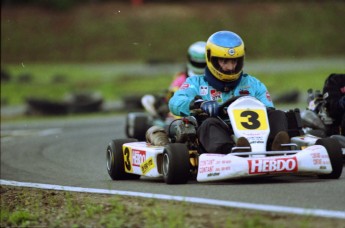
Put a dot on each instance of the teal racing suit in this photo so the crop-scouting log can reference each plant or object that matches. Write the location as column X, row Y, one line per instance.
column 198, row 86
column 214, row 136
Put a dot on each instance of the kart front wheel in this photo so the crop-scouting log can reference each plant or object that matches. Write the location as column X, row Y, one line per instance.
column 115, row 160
column 335, row 155
column 176, row 166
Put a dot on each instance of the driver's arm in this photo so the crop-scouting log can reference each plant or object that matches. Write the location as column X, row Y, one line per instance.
column 179, row 103
column 263, row 95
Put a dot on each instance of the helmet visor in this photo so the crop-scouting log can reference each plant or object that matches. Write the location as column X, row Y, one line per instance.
column 195, row 63
column 234, row 65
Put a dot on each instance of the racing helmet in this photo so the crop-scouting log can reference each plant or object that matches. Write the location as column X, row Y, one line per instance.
column 225, row 45
column 196, row 58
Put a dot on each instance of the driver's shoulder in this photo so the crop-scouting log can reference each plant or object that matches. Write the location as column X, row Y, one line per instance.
column 249, row 79
column 196, row 79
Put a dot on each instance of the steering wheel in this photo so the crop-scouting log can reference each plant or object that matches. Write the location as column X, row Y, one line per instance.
column 228, row 102
column 213, row 109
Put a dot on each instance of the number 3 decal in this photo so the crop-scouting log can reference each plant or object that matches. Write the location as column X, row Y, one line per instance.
column 127, row 161
column 250, row 119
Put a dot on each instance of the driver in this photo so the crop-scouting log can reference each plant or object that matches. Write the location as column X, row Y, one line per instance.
column 195, row 66
column 334, row 95
column 224, row 78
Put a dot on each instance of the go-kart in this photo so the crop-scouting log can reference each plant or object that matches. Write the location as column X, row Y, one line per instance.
column 317, row 123
column 181, row 159
column 137, row 123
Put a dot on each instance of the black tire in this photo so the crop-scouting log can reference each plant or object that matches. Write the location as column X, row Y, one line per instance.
column 335, row 155
column 115, row 161
column 46, row 107
column 176, row 165
column 140, row 122
column 84, row 102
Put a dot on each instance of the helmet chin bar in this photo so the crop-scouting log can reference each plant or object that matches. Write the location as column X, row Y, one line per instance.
column 229, row 72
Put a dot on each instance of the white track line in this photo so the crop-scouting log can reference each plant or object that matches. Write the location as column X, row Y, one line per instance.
column 233, row 204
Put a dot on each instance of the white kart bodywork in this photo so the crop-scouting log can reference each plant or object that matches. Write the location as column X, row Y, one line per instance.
column 145, row 160
column 312, row 160
column 142, row 159
column 249, row 119
column 257, row 130
column 308, row 140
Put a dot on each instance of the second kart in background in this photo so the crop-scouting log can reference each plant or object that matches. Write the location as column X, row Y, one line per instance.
column 325, row 115
column 156, row 106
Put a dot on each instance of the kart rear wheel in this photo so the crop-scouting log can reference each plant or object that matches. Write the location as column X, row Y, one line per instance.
column 335, row 155
column 137, row 124
column 176, row 167
column 115, row 161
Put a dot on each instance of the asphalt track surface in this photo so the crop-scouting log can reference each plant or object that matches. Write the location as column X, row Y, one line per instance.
column 71, row 152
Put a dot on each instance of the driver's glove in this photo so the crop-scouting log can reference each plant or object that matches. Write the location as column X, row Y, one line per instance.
column 196, row 103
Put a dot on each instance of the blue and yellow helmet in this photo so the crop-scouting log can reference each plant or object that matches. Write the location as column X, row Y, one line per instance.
column 225, row 44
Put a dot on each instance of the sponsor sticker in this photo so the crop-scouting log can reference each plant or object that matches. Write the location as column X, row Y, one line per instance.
column 231, row 51
column 244, row 92
column 138, row 157
column 273, row 165
column 320, row 159
column 205, row 169
column 213, row 174
column 268, row 96
column 203, row 90
column 184, row 86
column 147, row 165
column 216, row 95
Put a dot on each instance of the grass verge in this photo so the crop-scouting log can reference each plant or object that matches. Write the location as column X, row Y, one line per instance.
column 26, row 207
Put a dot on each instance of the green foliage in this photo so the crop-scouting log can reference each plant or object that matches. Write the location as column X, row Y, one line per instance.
column 51, row 4
column 55, row 81
column 73, row 209
column 57, row 4
column 92, row 210
column 254, row 222
column 21, row 217
column 163, row 31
